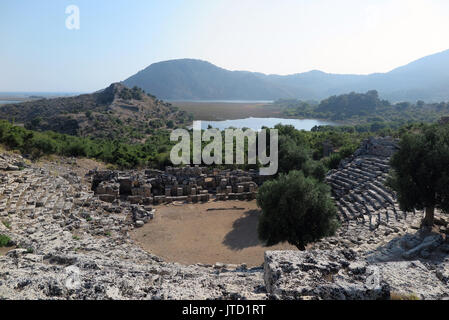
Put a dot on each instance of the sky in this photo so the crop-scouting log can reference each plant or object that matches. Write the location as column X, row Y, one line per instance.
column 117, row 38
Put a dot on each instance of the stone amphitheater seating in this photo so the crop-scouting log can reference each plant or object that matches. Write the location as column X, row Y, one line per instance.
column 358, row 186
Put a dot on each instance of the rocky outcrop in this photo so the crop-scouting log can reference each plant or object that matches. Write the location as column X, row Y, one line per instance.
column 344, row 275
column 11, row 162
column 321, row 275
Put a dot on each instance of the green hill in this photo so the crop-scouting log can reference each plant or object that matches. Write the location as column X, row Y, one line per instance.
column 115, row 112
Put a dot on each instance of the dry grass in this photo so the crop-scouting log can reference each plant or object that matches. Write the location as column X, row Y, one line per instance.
column 4, row 149
column 403, row 296
column 216, row 111
column 329, row 277
column 7, row 224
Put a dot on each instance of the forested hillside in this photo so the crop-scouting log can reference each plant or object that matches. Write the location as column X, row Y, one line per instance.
column 113, row 113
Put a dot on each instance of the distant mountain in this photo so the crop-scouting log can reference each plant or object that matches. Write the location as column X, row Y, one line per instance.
column 196, row 79
column 188, row 79
column 114, row 112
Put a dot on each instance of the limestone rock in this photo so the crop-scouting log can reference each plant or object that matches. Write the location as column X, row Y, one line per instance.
column 139, row 223
column 318, row 274
column 412, row 278
column 429, row 243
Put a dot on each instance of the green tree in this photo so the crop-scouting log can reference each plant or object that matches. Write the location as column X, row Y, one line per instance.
column 420, row 174
column 295, row 209
column 170, row 124
column 36, row 122
column 291, row 155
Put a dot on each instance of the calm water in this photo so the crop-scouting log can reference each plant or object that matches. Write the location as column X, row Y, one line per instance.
column 8, row 101
column 258, row 123
column 224, row 101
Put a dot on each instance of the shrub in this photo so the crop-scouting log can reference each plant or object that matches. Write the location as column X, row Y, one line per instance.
column 170, row 124
column 4, row 240
column 333, row 161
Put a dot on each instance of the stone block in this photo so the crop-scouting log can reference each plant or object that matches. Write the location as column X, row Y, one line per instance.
column 107, row 198
column 168, row 192
column 135, row 199
column 139, row 223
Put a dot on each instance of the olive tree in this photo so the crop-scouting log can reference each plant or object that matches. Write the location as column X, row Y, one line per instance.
column 420, row 171
column 296, row 209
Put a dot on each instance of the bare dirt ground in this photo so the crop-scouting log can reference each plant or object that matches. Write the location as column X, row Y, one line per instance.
column 4, row 250
column 207, row 233
column 216, row 111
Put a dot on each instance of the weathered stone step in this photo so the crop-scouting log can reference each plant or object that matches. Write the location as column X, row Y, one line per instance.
column 380, row 200
column 370, row 200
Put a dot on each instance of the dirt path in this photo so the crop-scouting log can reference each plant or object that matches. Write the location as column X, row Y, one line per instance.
column 199, row 233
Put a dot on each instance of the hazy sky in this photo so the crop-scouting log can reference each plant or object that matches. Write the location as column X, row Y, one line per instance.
column 117, row 38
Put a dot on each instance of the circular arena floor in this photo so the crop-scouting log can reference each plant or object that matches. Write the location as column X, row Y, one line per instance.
column 224, row 232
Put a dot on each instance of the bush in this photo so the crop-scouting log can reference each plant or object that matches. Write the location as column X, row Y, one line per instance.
column 113, row 151
column 75, row 149
column 318, row 170
column 156, row 123
column 43, row 144
column 170, row 124
column 347, row 151
column 333, row 161
column 4, row 240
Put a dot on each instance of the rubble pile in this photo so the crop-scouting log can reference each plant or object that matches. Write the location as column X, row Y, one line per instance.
column 11, row 162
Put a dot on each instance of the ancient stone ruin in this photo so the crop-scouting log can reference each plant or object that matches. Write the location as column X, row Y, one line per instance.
column 61, row 225
column 187, row 184
column 358, row 185
column 143, row 189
